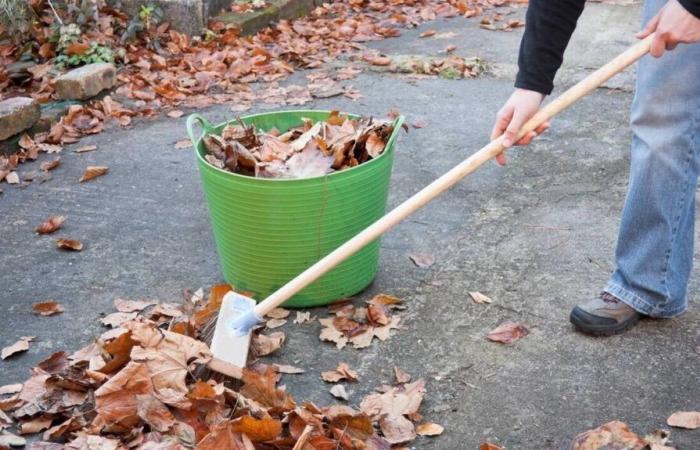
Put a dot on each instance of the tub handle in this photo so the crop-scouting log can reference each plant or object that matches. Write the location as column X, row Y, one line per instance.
column 207, row 127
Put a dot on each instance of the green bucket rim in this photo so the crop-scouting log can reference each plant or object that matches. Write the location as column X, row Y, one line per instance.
column 208, row 128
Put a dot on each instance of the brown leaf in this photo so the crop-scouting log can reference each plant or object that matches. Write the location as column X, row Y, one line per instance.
column 55, row 363
column 127, row 306
column 375, row 145
column 427, row 33
column 257, row 430
column 47, row 308
column 69, row 244
column 169, row 357
column 278, row 313
column 20, row 346
column 489, row 446
column 154, row 413
column 85, row 149
column 183, row 143
column 397, row 429
column 508, row 332
column 52, row 224
column 401, row 376
column 423, row 260
column 35, row 425
column 275, row 323
column 93, row 172
column 114, row 320
column 378, row 60
column 223, row 437
column 263, row 344
column 175, row 113
column 480, row 298
column 211, row 308
column 262, row 387
column 116, row 400
column 684, row 419
column 429, row 429
column 612, row 435
column 404, row 399
column 76, row 48
column 50, row 165
column 284, row 368
column 342, row 372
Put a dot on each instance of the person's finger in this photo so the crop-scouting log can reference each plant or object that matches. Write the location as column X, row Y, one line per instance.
column 511, row 133
column 501, row 159
column 525, row 140
column 671, row 44
column 542, row 128
column 649, row 28
column 502, row 120
column 658, row 45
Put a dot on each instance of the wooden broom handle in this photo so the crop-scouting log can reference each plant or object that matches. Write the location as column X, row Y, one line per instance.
column 449, row 179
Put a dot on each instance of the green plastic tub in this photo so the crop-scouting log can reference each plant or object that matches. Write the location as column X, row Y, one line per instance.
column 267, row 231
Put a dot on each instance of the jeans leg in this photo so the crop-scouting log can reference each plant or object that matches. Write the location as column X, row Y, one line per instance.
column 654, row 254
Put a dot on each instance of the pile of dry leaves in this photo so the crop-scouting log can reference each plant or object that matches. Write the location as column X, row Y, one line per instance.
column 309, row 150
column 144, row 384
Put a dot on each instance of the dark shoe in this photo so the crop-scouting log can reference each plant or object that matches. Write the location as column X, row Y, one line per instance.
column 604, row 316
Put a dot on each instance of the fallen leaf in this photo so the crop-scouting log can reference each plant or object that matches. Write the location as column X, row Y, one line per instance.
column 612, row 435
column 397, row 429
column 12, row 178
column 303, row 317
column 35, row 425
column 50, row 165
column 20, row 346
column 114, row 320
column 175, row 113
column 92, row 172
column 480, row 298
column 183, row 143
column 684, row 419
column 275, row 323
column 278, row 313
column 69, row 244
column 85, row 149
column 427, row 33
column 47, row 308
column 283, row 368
column 401, row 376
column 223, row 437
column 508, row 332
column 423, row 260
column 127, row 306
column 429, row 429
column 51, row 224
column 657, row 440
column 338, row 391
column 8, row 439
column 263, row 344
column 419, row 123
column 490, row 446
column 342, row 372
column 154, row 413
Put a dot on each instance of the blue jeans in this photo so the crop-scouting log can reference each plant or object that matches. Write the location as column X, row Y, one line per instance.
column 654, row 253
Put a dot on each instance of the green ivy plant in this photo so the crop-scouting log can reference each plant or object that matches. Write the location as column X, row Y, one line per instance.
column 70, row 34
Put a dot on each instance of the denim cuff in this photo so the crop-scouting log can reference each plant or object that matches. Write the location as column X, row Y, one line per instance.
column 640, row 305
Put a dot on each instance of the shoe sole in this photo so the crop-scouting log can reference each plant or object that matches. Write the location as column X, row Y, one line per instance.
column 582, row 322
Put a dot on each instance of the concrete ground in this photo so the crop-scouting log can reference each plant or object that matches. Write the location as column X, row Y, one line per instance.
column 536, row 236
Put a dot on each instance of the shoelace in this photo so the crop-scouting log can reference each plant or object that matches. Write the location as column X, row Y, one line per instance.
column 608, row 298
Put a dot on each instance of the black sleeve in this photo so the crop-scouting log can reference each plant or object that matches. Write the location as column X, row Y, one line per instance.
column 548, row 28
column 692, row 5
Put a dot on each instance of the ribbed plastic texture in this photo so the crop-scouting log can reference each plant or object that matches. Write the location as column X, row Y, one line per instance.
column 267, row 231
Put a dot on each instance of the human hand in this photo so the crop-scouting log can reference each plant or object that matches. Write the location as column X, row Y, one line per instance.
column 520, row 107
column 673, row 25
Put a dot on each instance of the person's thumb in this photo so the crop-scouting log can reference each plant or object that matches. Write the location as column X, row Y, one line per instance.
column 649, row 28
